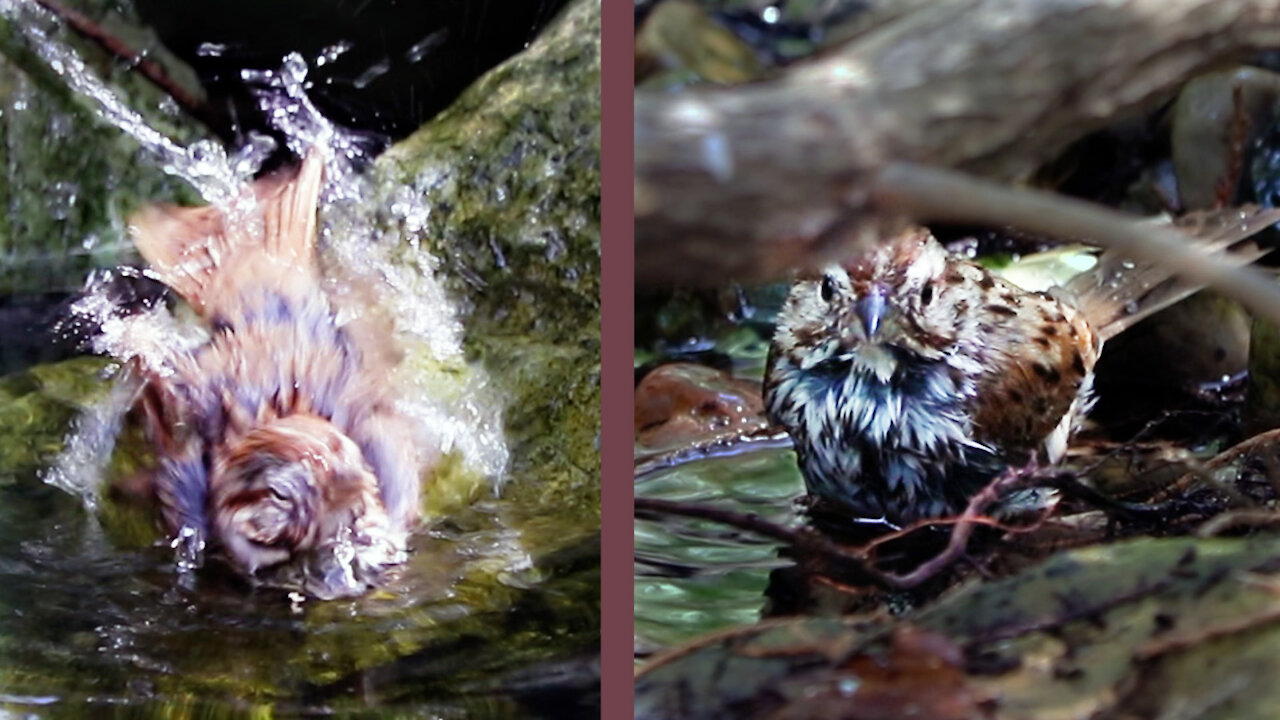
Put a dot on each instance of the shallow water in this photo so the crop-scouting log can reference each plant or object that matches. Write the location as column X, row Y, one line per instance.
column 694, row 576
column 84, row 623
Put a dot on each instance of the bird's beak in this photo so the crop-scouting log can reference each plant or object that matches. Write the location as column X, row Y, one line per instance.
column 870, row 309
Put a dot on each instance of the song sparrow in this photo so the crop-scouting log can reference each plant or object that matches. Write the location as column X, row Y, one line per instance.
column 908, row 378
column 278, row 439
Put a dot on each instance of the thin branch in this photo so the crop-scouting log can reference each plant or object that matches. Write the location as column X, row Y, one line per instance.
column 149, row 69
column 860, row 557
column 984, row 520
column 1233, row 519
column 935, row 194
column 971, row 517
column 803, row 538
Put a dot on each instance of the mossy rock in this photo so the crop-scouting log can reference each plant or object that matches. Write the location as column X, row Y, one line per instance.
column 514, row 188
column 70, row 180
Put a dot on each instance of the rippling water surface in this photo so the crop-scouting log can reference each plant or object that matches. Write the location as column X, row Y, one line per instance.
column 695, row 576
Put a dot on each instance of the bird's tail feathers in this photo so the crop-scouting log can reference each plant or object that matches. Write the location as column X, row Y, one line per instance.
column 199, row 252
column 1118, row 292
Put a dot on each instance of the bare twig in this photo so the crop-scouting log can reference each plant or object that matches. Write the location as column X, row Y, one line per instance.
column 150, row 69
column 971, row 517
column 983, row 520
column 1247, row 517
column 1263, row 442
column 860, row 558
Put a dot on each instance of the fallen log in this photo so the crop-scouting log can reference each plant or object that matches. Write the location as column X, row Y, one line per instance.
column 752, row 181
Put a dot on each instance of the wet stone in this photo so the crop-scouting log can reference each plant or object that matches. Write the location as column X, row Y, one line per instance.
column 682, row 405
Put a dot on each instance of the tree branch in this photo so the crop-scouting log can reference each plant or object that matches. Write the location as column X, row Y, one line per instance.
column 150, row 69
column 751, row 181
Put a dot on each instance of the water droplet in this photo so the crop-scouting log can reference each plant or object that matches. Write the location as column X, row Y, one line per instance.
column 210, row 49
column 294, row 67
column 426, row 45
column 169, row 107
column 249, row 158
column 373, row 72
column 333, row 52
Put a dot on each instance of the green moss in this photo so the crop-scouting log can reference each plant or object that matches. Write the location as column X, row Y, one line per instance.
column 36, row 409
column 68, row 180
column 515, row 185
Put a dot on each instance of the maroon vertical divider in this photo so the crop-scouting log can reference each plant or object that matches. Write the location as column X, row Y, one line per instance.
column 617, row 284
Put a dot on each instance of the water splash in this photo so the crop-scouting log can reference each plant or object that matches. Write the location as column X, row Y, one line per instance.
column 372, row 73
column 427, row 45
column 204, row 164
column 211, row 49
column 147, row 337
column 355, row 236
column 331, row 53
column 282, row 97
column 90, row 443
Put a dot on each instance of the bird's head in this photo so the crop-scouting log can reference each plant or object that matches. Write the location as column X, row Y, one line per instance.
column 870, row 309
column 297, row 491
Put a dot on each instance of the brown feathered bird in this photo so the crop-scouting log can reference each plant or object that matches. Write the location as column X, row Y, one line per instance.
column 908, row 378
column 278, row 440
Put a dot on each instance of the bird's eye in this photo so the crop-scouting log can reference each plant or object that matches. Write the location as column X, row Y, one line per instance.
column 926, row 295
column 828, row 289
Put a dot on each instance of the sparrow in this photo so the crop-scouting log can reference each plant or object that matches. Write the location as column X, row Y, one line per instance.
column 278, row 441
column 908, row 378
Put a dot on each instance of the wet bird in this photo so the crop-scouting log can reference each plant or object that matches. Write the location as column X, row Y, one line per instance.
column 908, row 378
column 278, row 441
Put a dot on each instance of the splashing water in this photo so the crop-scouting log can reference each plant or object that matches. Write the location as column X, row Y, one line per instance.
column 204, row 164
column 282, row 97
column 89, row 444
column 469, row 420
column 362, row 245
